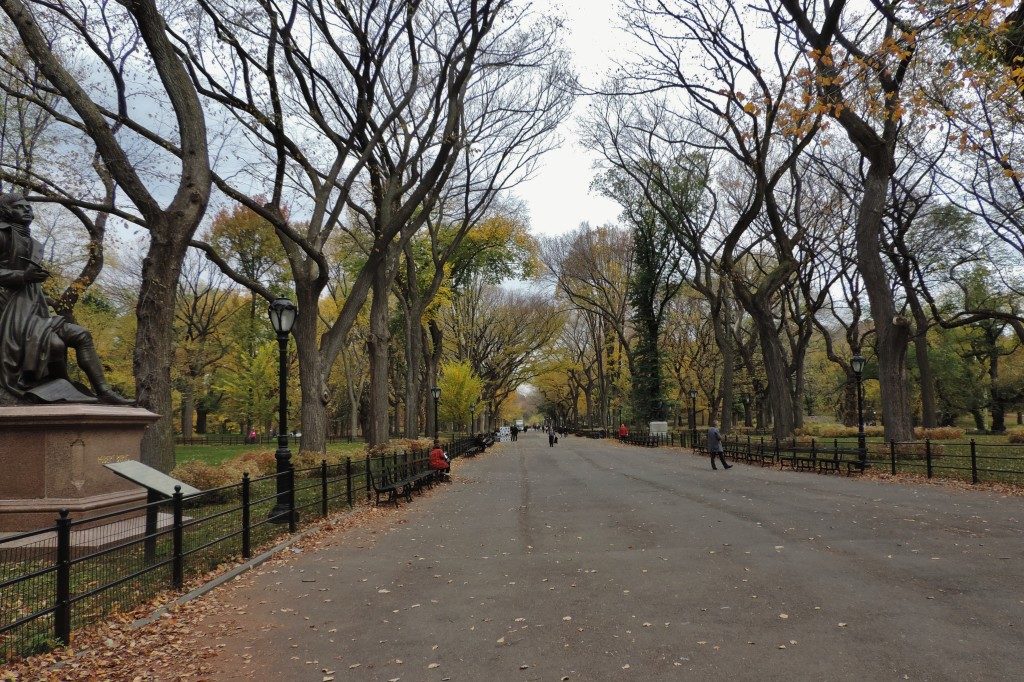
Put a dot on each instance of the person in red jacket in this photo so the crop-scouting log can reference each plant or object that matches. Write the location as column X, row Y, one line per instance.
column 439, row 461
column 623, row 431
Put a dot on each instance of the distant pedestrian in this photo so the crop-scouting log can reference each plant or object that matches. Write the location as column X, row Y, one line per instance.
column 551, row 436
column 515, row 433
column 623, row 431
column 715, row 446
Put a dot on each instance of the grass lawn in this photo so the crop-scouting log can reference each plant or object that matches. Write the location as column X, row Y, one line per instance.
column 215, row 454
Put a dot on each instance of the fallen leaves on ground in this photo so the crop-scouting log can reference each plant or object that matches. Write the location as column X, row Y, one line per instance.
column 178, row 645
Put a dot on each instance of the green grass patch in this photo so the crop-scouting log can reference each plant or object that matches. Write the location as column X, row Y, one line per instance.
column 217, row 454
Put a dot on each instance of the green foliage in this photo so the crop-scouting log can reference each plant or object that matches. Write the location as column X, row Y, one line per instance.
column 460, row 389
column 250, row 387
column 654, row 211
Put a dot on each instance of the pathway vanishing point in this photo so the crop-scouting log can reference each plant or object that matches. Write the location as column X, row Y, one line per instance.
column 593, row 561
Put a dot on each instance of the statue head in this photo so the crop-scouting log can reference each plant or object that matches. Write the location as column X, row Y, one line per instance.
column 15, row 208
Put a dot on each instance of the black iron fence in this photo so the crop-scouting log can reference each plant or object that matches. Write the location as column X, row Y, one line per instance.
column 57, row 579
column 974, row 461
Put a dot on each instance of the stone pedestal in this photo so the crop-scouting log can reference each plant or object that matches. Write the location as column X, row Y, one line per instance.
column 52, row 457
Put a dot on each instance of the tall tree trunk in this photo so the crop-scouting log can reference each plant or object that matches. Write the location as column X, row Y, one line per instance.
column 433, row 360
column 201, row 416
column 187, row 410
column 723, row 339
column 313, row 391
column 775, row 371
column 929, row 411
column 377, row 347
column 799, row 388
column 997, row 407
column 891, row 330
column 353, row 396
column 413, row 356
column 979, row 419
column 151, row 363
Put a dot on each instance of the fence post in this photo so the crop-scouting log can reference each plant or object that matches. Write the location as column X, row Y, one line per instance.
column 366, row 477
column 246, row 519
column 928, row 455
column 292, row 518
column 348, row 480
column 178, row 561
column 892, row 455
column 323, row 487
column 62, row 615
column 974, row 462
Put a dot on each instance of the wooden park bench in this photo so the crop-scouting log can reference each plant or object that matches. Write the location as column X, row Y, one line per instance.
column 763, row 453
column 386, row 482
column 799, row 458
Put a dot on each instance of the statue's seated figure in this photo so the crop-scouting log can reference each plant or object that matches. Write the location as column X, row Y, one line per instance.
column 33, row 343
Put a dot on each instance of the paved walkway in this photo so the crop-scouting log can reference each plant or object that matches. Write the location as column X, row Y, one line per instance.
column 591, row 561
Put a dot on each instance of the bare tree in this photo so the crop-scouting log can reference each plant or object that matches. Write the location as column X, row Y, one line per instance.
column 171, row 215
column 377, row 106
column 591, row 269
column 863, row 67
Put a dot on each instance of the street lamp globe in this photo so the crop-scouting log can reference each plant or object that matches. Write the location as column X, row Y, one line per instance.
column 282, row 315
column 857, row 361
column 436, row 392
column 693, row 394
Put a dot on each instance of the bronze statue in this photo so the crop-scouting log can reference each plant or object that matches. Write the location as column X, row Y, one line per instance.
column 33, row 343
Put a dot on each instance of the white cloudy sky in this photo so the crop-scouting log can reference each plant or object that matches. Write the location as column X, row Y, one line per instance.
column 559, row 194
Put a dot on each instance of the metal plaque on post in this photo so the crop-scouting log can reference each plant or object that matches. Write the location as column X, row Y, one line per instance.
column 150, row 479
column 159, row 486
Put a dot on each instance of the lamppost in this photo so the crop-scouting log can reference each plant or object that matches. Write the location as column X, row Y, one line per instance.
column 857, row 362
column 472, row 415
column 693, row 417
column 436, row 392
column 746, row 409
column 282, row 314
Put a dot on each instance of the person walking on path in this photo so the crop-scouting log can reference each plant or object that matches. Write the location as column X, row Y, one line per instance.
column 551, row 436
column 515, row 433
column 623, row 432
column 715, row 447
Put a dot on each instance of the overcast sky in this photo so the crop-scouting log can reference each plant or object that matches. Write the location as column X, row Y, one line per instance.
column 559, row 195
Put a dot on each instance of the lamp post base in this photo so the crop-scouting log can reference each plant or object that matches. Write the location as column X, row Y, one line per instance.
column 279, row 514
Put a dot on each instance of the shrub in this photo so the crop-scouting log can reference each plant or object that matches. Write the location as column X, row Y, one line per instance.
column 940, row 433
column 205, row 477
column 307, row 459
column 256, row 462
column 1015, row 435
column 826, row 430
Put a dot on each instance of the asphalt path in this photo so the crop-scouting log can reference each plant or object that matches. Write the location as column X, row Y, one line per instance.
column 594, row 561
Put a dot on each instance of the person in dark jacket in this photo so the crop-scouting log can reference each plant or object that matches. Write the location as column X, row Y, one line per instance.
column 715, row 446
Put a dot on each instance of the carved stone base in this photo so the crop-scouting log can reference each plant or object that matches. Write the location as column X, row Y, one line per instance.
column 52, row 457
